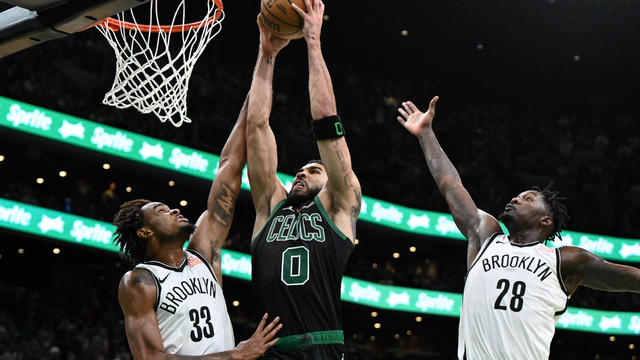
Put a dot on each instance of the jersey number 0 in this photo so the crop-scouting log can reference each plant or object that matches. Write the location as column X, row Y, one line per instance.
column 295, row 266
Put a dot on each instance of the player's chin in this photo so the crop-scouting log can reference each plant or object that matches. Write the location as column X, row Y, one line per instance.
column 188, row 228
column 506, row 217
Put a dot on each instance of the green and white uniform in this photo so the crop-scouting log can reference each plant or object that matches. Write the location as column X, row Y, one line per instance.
column 298, row 259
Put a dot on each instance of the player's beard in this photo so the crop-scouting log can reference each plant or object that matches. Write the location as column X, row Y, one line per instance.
column 294, row 199
column 506, row 218
column 188, row 229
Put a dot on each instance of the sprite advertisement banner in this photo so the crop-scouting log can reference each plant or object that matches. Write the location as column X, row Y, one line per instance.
column 88, row 232
column 125, row 144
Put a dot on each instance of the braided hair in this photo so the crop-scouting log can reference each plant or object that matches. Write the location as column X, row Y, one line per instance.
column 127, row 221
column 554, row 202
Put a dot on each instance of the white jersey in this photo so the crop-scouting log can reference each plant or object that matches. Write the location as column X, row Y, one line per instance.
column 190, row 307
column 513, row 296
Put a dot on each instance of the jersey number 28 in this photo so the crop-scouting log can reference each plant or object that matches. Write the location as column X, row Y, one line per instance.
column 518, row 290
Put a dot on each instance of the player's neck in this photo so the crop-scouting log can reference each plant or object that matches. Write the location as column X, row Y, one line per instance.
column 525, row 236
column 301, row 206
column 167, row 253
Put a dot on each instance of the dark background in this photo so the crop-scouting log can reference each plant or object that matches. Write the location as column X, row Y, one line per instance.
column 530, row 92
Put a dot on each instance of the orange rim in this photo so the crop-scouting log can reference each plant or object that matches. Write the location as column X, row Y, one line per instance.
column 115, row 25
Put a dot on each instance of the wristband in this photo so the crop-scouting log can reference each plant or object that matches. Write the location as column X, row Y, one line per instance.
column 329, row 127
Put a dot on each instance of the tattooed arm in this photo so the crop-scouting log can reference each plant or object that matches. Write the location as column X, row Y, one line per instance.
column 213, row 225
column 341, row 196
column 475, row 224
column 137, row 296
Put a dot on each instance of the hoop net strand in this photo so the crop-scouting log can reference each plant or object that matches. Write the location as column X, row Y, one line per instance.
column 152, row 73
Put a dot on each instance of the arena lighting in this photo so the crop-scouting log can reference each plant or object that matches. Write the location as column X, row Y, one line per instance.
column 396, row 255
column 106, row 166
column 40, row 180
column 171, row 182
column 396, row 336
column 577, row 57
column 404, row 32
column 412, row 249
column 377, row 325
column 409, row 332
column 1, row 158
column 22, row 117
column 62, row 173
column 632, row 346
column 612, row 338
column 374, row 314
column 480, row 46
column 372, row 338
column 183, row 202
column 374, row 265
column 356, row 241
column 418, row 318
column 129, row 189
column 20, row 251
column 325, row 17
column 56, row 251
column 236, row 303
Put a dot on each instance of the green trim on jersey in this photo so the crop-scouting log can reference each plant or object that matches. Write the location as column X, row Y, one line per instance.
column 312, row 338
column 326, row 216
column 278, row 205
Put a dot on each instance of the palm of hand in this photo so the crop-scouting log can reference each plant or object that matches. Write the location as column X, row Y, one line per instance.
column 415, row 120
column 418, row 121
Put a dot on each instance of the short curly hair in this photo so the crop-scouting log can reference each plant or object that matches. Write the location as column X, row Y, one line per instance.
column 127, row 221
column 554, row 202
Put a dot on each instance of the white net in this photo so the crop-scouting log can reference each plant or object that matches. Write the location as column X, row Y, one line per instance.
column 152, row 73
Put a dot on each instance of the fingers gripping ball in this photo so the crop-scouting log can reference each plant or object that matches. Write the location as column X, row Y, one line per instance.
column 281, row 19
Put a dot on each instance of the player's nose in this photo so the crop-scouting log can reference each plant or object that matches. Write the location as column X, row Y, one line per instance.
column 514, row 201
column 174, row 211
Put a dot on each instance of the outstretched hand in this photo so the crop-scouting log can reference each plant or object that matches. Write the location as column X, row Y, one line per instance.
column 312, row 19
column 260, row 341
column 269, row 42
column 415, row 120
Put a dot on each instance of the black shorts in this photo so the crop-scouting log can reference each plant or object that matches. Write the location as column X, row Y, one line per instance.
column 312, row 352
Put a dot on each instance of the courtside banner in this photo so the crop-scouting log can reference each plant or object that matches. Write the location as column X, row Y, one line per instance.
column 87, row 134
column 97, row 234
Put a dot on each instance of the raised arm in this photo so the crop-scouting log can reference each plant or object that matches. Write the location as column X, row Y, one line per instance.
column 475, row 224
column 581, row 267
column 262, row 156
column 137, row 296
column 213, row 225
column 341, row 195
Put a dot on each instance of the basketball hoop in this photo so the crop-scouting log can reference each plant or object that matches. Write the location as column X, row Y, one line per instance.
column 152, row 74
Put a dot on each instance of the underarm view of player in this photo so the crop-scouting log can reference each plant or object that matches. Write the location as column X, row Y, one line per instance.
column 172, row 300
column 516, row 287
column 302, row 238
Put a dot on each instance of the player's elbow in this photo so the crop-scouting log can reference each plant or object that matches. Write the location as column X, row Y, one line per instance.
column 232, row 163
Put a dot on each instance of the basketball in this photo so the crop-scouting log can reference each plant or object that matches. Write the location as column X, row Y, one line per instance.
column 281, row 19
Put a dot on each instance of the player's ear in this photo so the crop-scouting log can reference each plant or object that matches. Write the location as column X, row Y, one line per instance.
column 144, row 232
column 546, row 220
